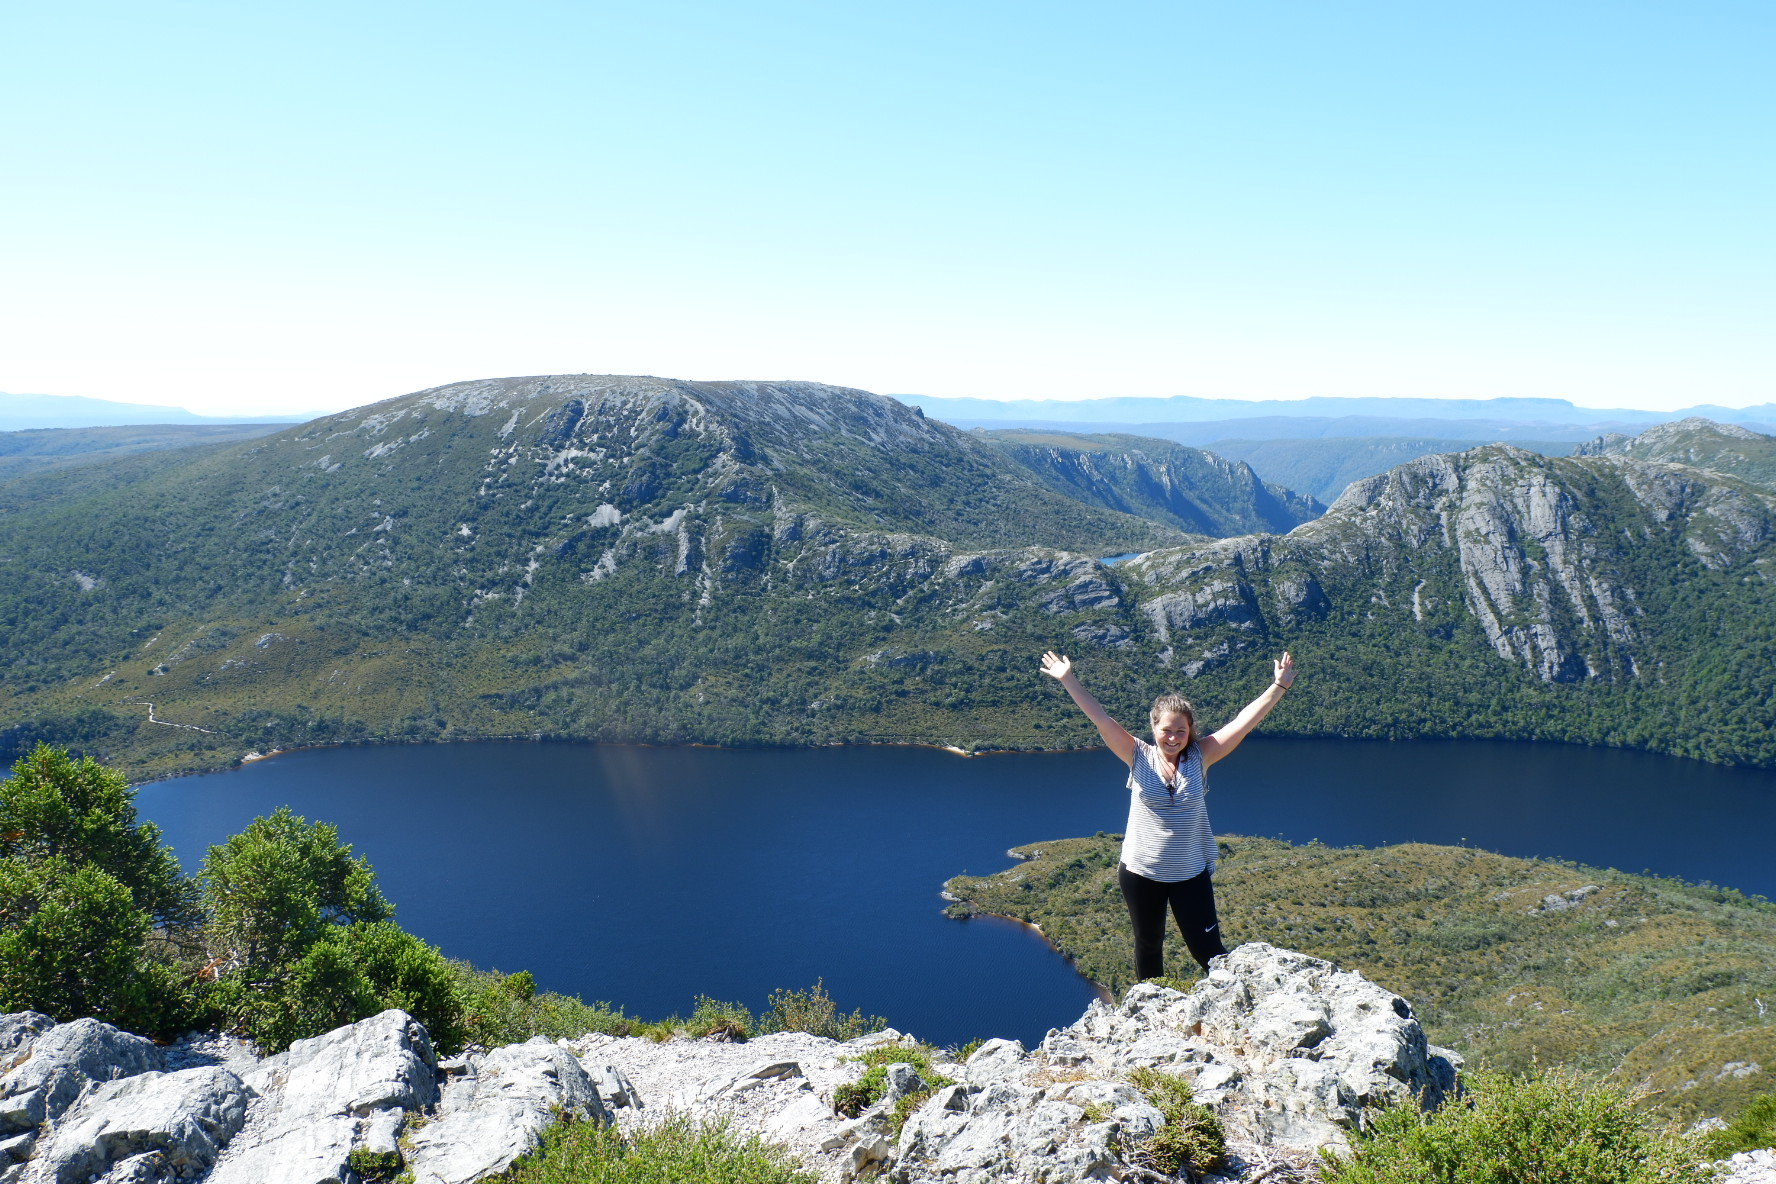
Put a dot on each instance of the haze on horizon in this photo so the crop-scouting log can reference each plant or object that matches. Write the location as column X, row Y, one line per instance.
column 255, row 211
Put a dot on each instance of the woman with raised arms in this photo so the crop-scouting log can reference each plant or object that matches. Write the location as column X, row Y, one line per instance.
column 1168, row 851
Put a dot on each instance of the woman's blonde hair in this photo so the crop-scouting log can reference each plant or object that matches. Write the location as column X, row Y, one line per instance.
column 1173, row 702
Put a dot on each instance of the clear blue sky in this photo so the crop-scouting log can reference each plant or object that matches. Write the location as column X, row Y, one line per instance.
column 255, row 208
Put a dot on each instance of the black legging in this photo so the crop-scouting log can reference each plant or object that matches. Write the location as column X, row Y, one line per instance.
column 1193, row 904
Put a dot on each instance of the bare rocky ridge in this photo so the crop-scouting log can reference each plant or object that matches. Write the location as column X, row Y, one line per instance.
column 1288, row 1050
column 1700, row 443
column 1526, row 546
column 1291, row 1053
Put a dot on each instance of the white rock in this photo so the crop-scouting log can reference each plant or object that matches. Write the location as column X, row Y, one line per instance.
column 168, row 1125
column 317, row 1097
column 1750, row 1167
column 996, row 1060
column 60, row 1061
column 807, row 1112
column 488, row 1120
column 18, row 1031
column 612, row 1084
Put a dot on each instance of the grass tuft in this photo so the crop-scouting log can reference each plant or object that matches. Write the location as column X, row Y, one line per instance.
column 677, row 1150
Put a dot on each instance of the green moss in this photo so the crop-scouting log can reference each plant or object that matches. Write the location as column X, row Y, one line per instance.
column 374, row 1165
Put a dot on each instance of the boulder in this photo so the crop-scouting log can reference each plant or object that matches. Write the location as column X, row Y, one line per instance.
column 322, row 1098
column 612, row 1084
column 488, row 1119
column 1290, row 1051
column 1300, row 1048
column 994, row 1061
column 903, row 1080
column 18, row 1031
column 156, row 1127
column 60, row 1061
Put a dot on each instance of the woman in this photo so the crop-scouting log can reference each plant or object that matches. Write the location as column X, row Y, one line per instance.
column 1168, row 851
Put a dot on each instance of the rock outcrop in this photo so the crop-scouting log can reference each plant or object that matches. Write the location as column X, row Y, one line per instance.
column 1290, row 1053
column 1532, row 549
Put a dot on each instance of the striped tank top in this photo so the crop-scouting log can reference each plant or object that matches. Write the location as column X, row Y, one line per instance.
column 1168, row 837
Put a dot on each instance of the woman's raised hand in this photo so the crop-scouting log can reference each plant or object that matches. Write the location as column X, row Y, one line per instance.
column 1055, row 665
column 1285, row 670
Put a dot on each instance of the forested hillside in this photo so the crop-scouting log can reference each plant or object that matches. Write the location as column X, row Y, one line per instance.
column 647, row 559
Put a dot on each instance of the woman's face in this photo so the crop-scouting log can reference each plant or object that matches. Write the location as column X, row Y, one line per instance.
column 1171, row 732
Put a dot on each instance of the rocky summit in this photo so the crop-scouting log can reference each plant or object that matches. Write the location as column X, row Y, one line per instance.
column 1289, row 1051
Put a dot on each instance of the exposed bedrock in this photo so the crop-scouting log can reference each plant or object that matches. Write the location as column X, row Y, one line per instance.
column 1291, row 1053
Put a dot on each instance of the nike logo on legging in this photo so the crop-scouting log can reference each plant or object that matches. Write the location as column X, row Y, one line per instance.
column 1213, row 927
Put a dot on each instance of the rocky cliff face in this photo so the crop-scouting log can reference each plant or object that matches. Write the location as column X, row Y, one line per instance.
column 1290, row 1052
column 1188, row 488
column 1556, row 560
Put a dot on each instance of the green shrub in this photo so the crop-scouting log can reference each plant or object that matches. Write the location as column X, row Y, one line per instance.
column 508, row 1009
column 853, row 1098
column 275, row 889
column 1555, row 1127
column 303, row 934
column 83, row 888
column 813, row 1011
column 70, row 940
column 677, row 1150
column 343, row 977
column 1753, row 1130
column 715, row 1018
column 53, row 806
column 374, row 1166
column 1191, row 1140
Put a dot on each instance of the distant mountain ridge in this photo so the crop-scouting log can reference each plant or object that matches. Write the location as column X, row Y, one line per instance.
column 616, row 558
column 1155, row 409
column 21, row 412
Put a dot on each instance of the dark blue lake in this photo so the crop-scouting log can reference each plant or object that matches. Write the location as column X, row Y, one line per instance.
column 645, row 876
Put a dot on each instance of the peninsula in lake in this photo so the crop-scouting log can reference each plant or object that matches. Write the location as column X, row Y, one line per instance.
column 646, row 559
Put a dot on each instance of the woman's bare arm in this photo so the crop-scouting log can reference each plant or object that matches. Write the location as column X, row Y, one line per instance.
column 1229, row 736
column 1057, row 667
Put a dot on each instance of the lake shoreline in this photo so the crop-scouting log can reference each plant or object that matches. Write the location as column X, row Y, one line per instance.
column 253, row 758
